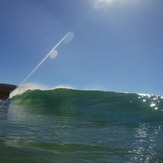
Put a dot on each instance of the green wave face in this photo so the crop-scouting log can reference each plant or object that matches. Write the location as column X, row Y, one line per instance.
column 95, row 104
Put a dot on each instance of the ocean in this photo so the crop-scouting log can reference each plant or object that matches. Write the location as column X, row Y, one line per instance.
column 67, row 125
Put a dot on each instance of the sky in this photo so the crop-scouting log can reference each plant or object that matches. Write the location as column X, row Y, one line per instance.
column 118, row 44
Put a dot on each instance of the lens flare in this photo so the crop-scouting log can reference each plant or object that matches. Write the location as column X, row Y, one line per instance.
column 69, row 38
column 53, row 53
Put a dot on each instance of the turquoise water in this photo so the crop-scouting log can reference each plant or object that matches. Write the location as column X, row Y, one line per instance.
column 65, row 125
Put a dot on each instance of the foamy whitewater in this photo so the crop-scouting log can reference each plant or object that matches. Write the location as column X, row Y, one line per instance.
column 67, row 125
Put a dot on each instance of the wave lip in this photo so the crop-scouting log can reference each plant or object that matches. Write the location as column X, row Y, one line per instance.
column 23, row 88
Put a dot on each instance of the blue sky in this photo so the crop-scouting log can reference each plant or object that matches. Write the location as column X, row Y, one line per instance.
column 118, row 44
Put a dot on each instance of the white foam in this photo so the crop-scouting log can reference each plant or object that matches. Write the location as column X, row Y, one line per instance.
column 23, row 88
column 63, row 86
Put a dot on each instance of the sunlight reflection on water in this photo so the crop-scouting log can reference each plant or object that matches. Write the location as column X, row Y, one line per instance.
column 145, row 142
column 153, row 101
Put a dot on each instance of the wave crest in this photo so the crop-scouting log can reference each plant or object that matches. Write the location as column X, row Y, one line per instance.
column 23, row 88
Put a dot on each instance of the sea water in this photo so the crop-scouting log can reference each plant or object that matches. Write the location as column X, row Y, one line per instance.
column 66, row 125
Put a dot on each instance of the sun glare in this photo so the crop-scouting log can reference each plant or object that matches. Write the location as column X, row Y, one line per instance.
column 106, row 3
column 102, row 3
